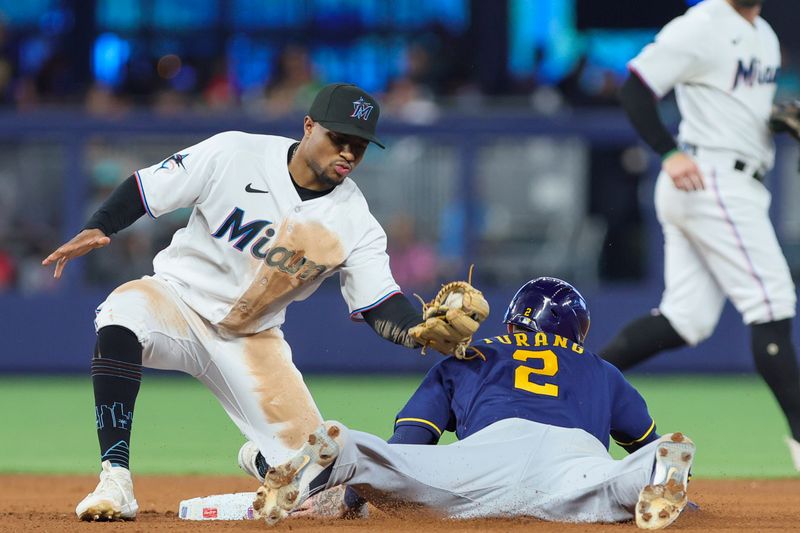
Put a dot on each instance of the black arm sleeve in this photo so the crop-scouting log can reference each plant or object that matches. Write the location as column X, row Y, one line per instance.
column 642, row 110
column 393, row 318
column 120, row 210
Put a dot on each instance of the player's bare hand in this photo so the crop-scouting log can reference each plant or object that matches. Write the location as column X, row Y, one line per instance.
column 685, row 173
column 329, row 504
column 83, row 243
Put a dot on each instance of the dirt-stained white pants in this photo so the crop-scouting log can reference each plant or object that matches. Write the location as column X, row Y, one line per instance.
column 252, row 375
column 514, row 467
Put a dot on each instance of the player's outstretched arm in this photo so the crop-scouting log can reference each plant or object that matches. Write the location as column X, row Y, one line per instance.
column 120, row 210
column 393, row 318
column 446, row 324
column 83, row 243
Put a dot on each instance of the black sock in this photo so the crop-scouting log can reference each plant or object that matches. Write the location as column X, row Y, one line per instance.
column 776, row 361
column 353, row 500
column 640, row 340
column 261, row 465
column 116, row 375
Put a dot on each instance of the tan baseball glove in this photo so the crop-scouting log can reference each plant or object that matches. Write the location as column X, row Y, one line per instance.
column 786, row 119
column 451, row 318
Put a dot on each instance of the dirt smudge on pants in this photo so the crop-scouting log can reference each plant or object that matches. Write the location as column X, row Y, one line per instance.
column 159, row 302
column 282, row 393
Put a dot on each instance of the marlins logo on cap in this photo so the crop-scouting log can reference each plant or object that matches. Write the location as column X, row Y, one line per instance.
column 362, row 109
column 348, row 109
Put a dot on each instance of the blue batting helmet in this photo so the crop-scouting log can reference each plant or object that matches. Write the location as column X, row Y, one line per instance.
column 549, row 305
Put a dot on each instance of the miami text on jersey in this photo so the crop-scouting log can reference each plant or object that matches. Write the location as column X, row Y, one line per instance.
column 289, row 261
column 755, row 73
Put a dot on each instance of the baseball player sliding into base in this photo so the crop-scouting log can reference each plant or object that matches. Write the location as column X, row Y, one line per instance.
column 722, row 59
column 533, row 410
column 271, row 218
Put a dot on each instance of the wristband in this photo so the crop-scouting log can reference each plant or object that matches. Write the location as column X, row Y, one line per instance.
column 669, row 154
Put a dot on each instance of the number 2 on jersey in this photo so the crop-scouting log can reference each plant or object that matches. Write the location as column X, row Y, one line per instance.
column 549, row 368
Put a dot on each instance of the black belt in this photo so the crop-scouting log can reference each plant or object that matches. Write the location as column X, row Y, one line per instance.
column 738, row 164
column 741, row 166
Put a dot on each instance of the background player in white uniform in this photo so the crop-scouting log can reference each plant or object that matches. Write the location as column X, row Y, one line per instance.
column 722, row 59
column 534, row 412
column 271, row 219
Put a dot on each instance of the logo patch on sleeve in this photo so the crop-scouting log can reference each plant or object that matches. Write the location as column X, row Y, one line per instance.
column 173, row 162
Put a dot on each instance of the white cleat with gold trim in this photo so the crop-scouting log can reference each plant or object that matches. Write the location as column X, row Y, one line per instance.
column 662, row 501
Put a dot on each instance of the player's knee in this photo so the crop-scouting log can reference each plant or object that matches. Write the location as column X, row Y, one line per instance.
column 704, row 330
column 141, row 284
column 695, row 321
column 774, row 356
column 770, row 337
column 695, row 330
column 118, row 343
column 135, row 306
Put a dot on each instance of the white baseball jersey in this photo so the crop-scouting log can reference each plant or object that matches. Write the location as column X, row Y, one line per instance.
column 723, row 70
column 719, row 242
column 251, row 246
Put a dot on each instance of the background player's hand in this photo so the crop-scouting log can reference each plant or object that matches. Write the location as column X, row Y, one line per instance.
column 685, row 173
column 83, row 243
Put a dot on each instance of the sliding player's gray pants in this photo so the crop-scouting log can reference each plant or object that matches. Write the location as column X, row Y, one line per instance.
column 512, row 468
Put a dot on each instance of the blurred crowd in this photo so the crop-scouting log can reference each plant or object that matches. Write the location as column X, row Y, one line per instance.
column 433, row 79
column 432, row 76
column 172, row 85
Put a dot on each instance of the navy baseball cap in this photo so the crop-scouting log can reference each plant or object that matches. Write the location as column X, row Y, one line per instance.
column 348, row 109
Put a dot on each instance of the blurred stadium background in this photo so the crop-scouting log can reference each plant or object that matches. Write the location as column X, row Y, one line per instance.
column 507, row 149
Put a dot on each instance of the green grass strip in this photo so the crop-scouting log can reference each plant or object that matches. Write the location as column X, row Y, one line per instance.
column 49, row 425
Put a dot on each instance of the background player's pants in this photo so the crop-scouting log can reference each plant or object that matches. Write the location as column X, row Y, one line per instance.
column 252, row 375
column 718, row 243
column 512, row 468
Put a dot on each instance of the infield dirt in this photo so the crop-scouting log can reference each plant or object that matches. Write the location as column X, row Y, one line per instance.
column 46, row 504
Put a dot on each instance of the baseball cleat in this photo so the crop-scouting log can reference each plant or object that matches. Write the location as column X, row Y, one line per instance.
column 662, row 501
column 288, row 485
column 248, row 454
column 112, row 499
